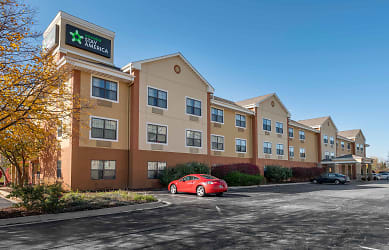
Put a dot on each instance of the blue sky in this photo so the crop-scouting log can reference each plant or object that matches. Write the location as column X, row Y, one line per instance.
column 321, row 57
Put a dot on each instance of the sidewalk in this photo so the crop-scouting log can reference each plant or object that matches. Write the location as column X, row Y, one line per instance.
column 79, row 214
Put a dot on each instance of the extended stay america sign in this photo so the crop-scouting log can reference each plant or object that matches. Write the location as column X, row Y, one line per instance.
column 87, row 41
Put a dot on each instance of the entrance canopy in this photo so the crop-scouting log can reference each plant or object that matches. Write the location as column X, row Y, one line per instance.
column 348, row 159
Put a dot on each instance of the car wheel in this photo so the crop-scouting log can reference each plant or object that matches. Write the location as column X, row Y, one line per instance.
column 173, row 189
column 337, row 182
column 314, row 181
column 220, row 194
column 200, row 191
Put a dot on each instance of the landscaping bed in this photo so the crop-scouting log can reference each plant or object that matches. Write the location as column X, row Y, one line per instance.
column 75, row 201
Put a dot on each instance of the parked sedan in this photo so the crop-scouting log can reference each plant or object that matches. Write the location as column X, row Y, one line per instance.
column 331, row 178
column 201, row 184
column 383, row 176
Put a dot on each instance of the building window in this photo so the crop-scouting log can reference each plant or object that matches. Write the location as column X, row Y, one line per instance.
column 280, row 149
column 103, row 170
column 290, row 131
column 302, row 153
column 361, row 147
column 193, row 138
column 291, row 152
column 104, row 89
column 59, row 171
column 332, row 155
column 193, row 107
column 104, row 129
column 332, row 141
column 240, row 121
column 60, row 129
column 279, row 127
column 327, row 155
column 156, row 133
column 342, row 144
column 325, row 139
column 155, row 169
column 217, row 115
column 348, row 146
column 217, row 142
column 357, row 147
column 267, row 147
column 266, row 124
column 302, row 135
column 240, row 145
column 157, row 98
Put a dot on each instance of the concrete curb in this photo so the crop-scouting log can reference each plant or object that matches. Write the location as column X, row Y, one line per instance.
column 36, row 219
column 268, row 185
column 3, row 194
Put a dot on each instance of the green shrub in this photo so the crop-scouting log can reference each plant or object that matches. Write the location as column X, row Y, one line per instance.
column 241, row 179
column 277, row 173
column 180, row 170
column 46, row 198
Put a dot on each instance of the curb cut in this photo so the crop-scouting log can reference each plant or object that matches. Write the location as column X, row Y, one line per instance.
column 36, row 219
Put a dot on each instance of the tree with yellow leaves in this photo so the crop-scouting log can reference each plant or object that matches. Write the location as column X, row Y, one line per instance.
column 34, row 96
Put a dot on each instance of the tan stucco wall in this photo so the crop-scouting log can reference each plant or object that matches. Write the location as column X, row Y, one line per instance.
column 99, row 108
column 161, row 75
column 231, row 132
column 359, row 139
column 310, row 144
column 329, row 129
column 275, row 114
column 62, row 29
column 345, row 151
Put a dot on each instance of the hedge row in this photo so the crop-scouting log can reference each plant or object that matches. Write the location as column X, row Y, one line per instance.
column 221, row 171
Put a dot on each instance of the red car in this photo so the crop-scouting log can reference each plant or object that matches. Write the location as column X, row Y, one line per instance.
column 201, row 184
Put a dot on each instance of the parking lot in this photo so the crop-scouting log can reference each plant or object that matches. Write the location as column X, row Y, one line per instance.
column 300, row 216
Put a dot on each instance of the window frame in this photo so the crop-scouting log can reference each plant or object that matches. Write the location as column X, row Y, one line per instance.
column 332, row 140
column 342, row 145
column 305, row 153
column 332, row 155
column 271, row 148
column 102, row 179
column 160, row 125
column 325, row 139
column 289, row 151
column 282, row 124
column 158, row 89
column 279, row 149
column 105, row 79
column 201, row 106
column 103, row 139
column 303, row 133
column 158, row 170
column 240, row 139
column 327, row 153
column 59, row 162
column 217, row 115
column 263, row 124
column 292, row 132
column 201, row 139
column 224, row 143
column 245, row 120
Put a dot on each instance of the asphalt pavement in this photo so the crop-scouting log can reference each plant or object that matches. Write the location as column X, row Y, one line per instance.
column 306, row 216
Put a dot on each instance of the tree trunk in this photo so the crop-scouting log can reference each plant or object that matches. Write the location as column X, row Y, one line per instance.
column 5, row 176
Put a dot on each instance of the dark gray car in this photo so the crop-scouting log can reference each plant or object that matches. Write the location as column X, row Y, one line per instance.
column 331, row 178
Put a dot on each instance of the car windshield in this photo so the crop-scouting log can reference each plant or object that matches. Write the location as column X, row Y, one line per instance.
column 208, row 176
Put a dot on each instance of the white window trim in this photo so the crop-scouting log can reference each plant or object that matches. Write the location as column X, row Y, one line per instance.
column 201, row 106
column 283, row 149
column 270, row 124
column 105, row 118
column 211, row 115
column 291, row 157
column 224, row 143
column 245, row 117
column 333, row 140
column 305, row 154
column 271, row 146
column 167, row 133
column 104, row 78
column 147, row 97
column 276, row 128
column 304, row 135
column 325, row 143
column 293, row 132
column 241, row 152
column 202, row 141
